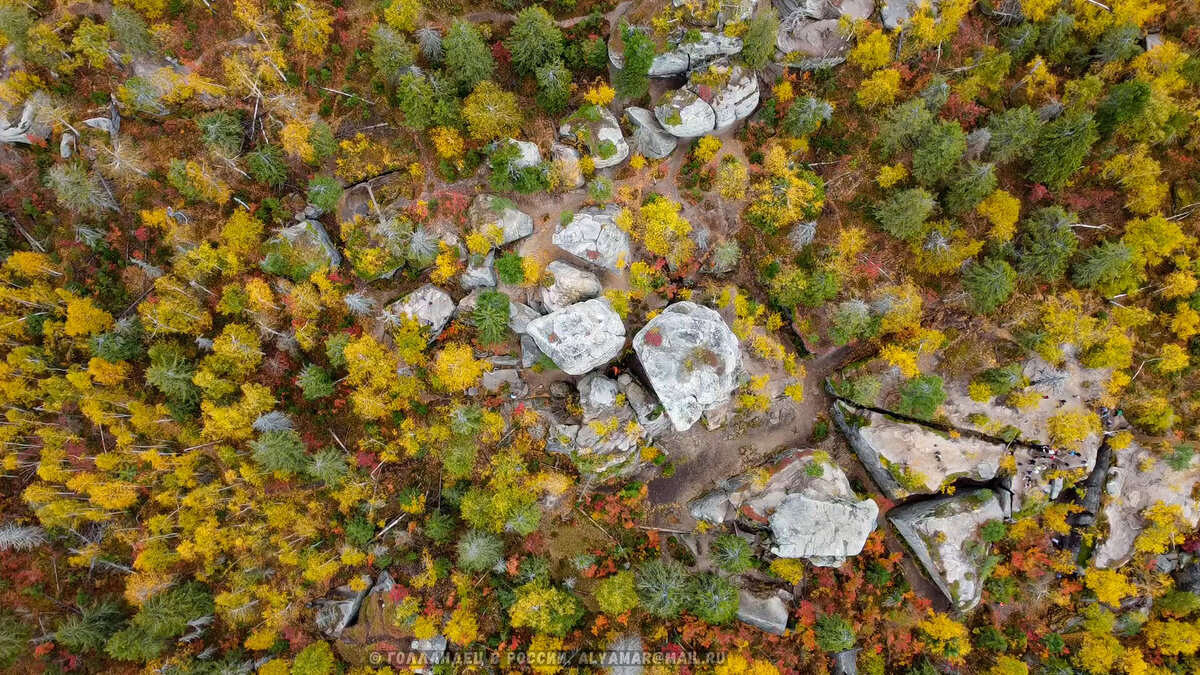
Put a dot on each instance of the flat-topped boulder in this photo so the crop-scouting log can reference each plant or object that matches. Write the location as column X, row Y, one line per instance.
column 649, row 138
column 429, row 305
column 593, row 236
column 691, row 359
column 596, row 129
column 810, row 45
column 944, row 533
column 806, row 501
column 499, row 219
column 581, row 337
column 684, row 114
column 571, row 285
column 730, row 89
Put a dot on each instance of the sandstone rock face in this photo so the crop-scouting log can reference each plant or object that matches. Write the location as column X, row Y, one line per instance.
column 601, row 457
column 581, row 337
column 571, row 285
column 691, row 359
column 337, row 611
column 807, row 502
column 567, row 158
column 593, row 235
column 597, row 129
column 825, row 9
column 429, row 305
column 690, row 55
column 813, row 44
column 649, row 138
column 944, row 534
column 684, row 114
column 1132, row 489
column 481, row 274
column 736, row 99
column 768, row 613
column 489, row 212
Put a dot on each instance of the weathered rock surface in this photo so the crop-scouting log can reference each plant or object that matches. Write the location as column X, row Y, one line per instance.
column 895, row 12
column 490, row 213
column 597, row 129
column 593, row 236
column 648, row 137
column 687, row 56
column 1138, row 481
column 481, row 274
column 519, row 316
column 494, row 380
column 571, row 285
column 429, row 305
column 825, row 9
column 581, row 337
column 733, row 100
column 616, row 452
column 810, row 45
column 944, row 534
column 691, row 359
column 528, row 154
column 684, row 114
column 768, row 613
column 806, row 501
column 338, row 610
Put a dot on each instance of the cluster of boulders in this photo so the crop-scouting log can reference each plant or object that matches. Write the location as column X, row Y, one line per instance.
column 804, row 500
column 713, row 100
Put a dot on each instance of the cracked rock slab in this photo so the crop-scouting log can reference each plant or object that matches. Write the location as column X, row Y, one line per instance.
column 691, row 359
column 593, row 235
column 581, row 337
column 571, row 285
column 429, row 305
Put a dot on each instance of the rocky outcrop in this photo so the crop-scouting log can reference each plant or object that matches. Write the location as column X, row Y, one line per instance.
column 734, row 98
column 944, row 533
column 691, row 359
column 491, row 214
column 685, row 52
column 804, row 499
column 825, row 9
column 896, row 12
column 593, row 236
column 519, row 316
column 528, row 154
column 571, row 285
column 566, row 160
column 479, row 273
column 649, row 138
column 684, row 114
column 608, row 442
column 581, row 337
column 300, row 250
column 429, row 305
column 496, row 380
column 811, row 45
column 338, row 610
column 1140, row 480
column 768, row 613
column 596, row 130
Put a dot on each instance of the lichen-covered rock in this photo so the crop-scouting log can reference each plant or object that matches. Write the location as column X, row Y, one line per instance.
column 495, row 380
column 490, row 214
column 519, row 316
column 608, row 443
column 593, row 235
column 596, row 129
column 684, row 114
column 571, row 285
column 730, row 90
column 481, row 274
column 338, row 610
column 805, row 500
column 581, row 337
column 691, row 359
column 299, row 250
column 897, row 12
column 429, row 305
column 688, row 55
column 825, row 9
column 649, row 138
column 810, row 45
column 944, row 533
column 528, row 154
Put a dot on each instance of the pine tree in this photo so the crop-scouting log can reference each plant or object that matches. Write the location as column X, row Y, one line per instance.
column 758, row 44
column 391, row 52
column 660, row 586
column 902, row 127
column 79, row 189
column 1108, row 267
column 280, row 452
column 491, row 317
column 91, row 628
column 14, row 638
column 973, row 183
column 479, row 551
column 15, row 537
column 921, row 396
column 1045, row 243
column 324, row 192
column 553, row 86
column 989, row 284
column 834, row 633
column 265, row 163
column 938, row 151
column 315, row 381
column 732, row 553
column 1061, row 148
column 903, row 215
column 633, row 80
column 535, row 40
column 221, row 132
column 468, row 59
column 713, row 599
column 328, row 466
column 1014, row 133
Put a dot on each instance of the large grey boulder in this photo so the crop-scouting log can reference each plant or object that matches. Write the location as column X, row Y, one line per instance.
column 519, row 316
column 806, row 501
column 649, row 138
column 944, row 533
column 300, row 250
column 768, row 613
column 528, row 154
column 581, row 337
column 684, row 114
column 597, row 129
column 429, row 305
column 735, row 98
column 825, row 9
column 338, row 610
column 813, row 44
column 480, row 274
column 571, row 285
column 687, row 56
column 491, row 214
column 691, row 359
column 897, row 12
column 593, row 235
